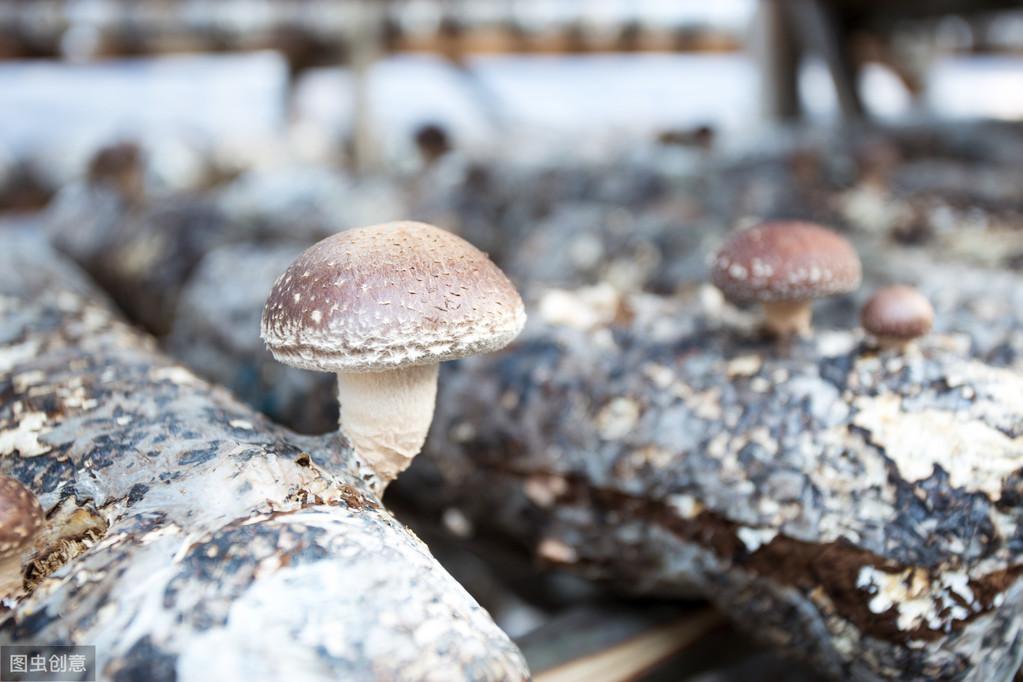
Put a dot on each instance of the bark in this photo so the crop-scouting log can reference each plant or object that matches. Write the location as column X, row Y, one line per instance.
column 216, row 333
column 142, row 254
column 188, row 537
column 856, row 509
column 642, row 450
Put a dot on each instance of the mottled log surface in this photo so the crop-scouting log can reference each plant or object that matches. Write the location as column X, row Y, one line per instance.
column 650, row 222
column 143, row 250
column 142, row 255
column 216, row 330
column 861, row 510
column 189, row 538
column 216, row 333
column 557, row 485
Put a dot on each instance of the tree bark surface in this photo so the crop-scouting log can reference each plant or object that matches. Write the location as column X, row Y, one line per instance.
column 188, row 538
column 857, row 508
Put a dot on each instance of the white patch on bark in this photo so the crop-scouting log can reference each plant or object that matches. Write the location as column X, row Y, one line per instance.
column 755, row 538
column 24, row 438
column 976, row 456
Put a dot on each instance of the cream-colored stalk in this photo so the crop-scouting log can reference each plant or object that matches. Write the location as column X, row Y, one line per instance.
column 788, row 318
column 386, row 416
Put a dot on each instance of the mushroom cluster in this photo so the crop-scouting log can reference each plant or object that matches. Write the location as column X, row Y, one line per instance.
column 785, row 265
column 381, row 307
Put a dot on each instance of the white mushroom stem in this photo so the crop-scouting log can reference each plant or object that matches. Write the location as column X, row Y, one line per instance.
column 386, row 416
column 788, row 318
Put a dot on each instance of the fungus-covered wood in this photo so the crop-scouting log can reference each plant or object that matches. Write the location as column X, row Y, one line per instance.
column 216, row 333
column 141, row 253
column 190, row 539
column 857, row 509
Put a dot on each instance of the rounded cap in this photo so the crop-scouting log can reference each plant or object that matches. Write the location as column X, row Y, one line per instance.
column 785, row 261
column 21, row 517
column 389, row 296
column 433, row 141
column 119, row 166
column 897, row 312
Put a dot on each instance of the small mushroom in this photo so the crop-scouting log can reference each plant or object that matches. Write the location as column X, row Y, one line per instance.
column 381, row 307
column 120, row 167
column 784, row 266
column 897, row 315
column 21, row 519
column 433, row 142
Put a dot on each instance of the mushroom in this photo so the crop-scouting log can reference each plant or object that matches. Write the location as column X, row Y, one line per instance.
column 21, row 519
column 897, row 315
column 381, row 307
column 433, row 142
column 120, row 166
column 784, row 266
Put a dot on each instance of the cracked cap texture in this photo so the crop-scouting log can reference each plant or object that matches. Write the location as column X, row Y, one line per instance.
column 20, row 516
column 785, row 261
column 389, row 296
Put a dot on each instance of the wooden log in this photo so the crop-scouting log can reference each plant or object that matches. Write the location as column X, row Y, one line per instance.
column 216, row 333
column 521, row 462
column 855, row 509
column 189, row 538
column 141, row 253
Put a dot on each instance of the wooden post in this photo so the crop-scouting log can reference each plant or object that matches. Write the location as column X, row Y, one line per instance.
column 365, row 44
column 778, row 55
column 821, row 31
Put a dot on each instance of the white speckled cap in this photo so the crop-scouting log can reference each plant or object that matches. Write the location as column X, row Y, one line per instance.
column 785, row 261
column 389, row 296
column 21, row 517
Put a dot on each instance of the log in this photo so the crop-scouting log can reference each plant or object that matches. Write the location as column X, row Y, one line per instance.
column 216, row 333
column 216, row 328
column 144, row 249
column 519, row 459
column 189, row 538
column 857, row 510
column 141, row 254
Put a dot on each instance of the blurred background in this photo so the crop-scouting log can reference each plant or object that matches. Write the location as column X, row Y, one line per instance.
column 224, row 86
column 183, row 152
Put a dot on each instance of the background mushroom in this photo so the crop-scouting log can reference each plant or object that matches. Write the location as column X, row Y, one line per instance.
column 897, row 315
column 21, row 518
column 381, row 306
column 784, row 266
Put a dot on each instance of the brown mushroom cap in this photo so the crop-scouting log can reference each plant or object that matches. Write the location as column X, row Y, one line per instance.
column 21, row 517
column 785, row 261
column 389, row 296
column 897, row 312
